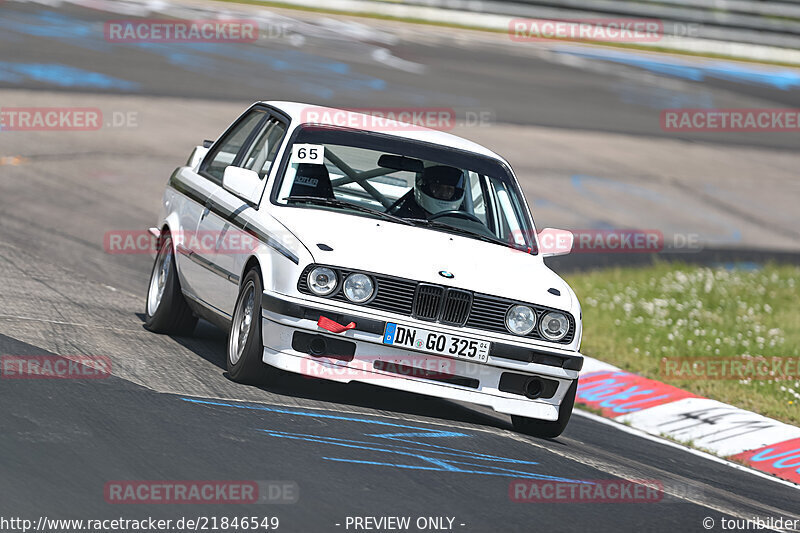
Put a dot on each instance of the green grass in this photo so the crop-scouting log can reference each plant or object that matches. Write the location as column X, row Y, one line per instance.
column 633, row 318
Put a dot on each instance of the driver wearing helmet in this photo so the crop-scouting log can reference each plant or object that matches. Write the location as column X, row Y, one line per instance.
column 438, row 188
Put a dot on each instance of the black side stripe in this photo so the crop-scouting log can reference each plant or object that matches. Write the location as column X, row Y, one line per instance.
column 262, row 236
column 232, row 217
column 205, row 263
column 186, row 189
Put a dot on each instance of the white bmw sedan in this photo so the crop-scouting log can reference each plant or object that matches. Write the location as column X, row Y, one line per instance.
column 405, row 257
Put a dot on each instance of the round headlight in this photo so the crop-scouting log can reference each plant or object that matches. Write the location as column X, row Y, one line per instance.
column 358, row 288
column 322, row 281
column 520, row 320
column 554, row 326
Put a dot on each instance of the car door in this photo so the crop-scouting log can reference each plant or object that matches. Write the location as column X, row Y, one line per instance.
column 197, row 246
column 226, row 215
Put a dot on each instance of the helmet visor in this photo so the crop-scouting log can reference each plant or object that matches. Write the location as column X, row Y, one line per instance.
column 443, row 183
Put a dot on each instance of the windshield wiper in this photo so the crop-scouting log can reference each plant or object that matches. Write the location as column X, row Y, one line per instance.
column 453, row 229
column 333, row 202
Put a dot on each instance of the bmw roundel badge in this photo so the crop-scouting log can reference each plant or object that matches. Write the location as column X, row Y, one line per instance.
column 446, row 274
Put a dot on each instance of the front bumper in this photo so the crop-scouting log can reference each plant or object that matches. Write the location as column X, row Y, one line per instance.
column 285, row 319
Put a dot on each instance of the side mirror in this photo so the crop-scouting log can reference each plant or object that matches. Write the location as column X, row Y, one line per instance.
column 243, row 183
column 196, row 157
column 554, row 242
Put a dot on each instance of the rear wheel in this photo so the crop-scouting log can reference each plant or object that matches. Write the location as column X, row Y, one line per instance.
column 245, row 347
column 547, row 429
column 166, row 310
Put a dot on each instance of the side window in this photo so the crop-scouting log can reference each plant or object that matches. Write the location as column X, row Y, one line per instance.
column 262, row 153
column 225, row 152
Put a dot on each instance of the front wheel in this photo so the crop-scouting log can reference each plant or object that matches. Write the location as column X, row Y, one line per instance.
column 166, row 310
column 245, row 347
column 547, row 429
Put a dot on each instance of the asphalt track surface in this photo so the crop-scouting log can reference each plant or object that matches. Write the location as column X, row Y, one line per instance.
column 170, row 413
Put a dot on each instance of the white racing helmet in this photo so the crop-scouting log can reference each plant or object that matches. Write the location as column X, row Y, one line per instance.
column 439, row 188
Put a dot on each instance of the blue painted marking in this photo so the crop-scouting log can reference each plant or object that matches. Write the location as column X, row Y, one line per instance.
column 312, row 74
column 396, row 448
column 421, row 447
column 500, row 472
column 388, row 336
column 431, row 463
column 302, row 413
column 604, row 390
column 430, row 433
column 319, row 76
column 782, row 458
column 61, row 75
column 47, row 24
column 56, row 26
column 746, row 266
column 434, row 457
column 783, row 79
column 377, row 463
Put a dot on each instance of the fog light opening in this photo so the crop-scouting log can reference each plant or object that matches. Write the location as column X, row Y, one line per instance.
column 534, row 388
column 318, row 346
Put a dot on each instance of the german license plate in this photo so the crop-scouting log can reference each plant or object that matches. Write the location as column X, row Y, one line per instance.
column 424, row 340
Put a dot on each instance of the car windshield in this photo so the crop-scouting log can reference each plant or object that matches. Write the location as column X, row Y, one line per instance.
column 404, row 181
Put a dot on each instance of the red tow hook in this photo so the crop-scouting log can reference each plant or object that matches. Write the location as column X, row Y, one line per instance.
column 333, row 326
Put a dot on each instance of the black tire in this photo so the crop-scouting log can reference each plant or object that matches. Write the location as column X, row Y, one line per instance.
column 248, row 367
column 546, row 429
column 171, row 315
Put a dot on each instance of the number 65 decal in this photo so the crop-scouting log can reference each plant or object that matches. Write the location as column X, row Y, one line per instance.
column 308, row 153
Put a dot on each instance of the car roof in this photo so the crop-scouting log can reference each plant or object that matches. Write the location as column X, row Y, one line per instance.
column 296, row 112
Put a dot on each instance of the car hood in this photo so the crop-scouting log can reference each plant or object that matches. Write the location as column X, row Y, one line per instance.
column 385, row 247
